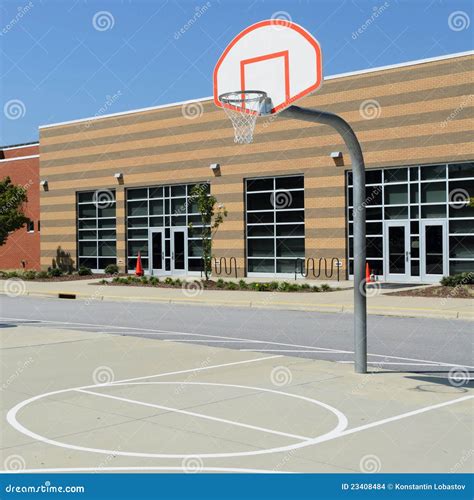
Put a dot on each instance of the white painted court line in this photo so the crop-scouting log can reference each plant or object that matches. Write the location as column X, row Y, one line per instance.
column 194, row 414
column 167, row 332
column 403, row 415
column 294, row 350
column 179, row 372
column 393, row 363
column 146, row 468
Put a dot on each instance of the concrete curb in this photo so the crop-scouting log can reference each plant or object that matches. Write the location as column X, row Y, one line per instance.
column 289, row 306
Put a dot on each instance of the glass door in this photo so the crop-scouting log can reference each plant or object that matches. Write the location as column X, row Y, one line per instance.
column 397, row 251
column 434, row 259
column 156, row 244
column 179, row 246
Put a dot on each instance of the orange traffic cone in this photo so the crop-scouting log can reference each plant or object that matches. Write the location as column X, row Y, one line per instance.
column 368, row 277
column 139, row 268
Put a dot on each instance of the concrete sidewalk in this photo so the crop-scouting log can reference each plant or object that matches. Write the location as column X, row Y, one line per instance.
column 380, row 302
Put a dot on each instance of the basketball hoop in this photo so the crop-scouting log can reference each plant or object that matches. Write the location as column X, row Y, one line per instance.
column 243, row 107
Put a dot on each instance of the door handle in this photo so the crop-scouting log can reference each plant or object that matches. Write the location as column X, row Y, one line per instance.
column 407, row 254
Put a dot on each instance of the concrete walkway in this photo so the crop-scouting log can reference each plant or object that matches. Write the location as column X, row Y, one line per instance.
column 380, row 301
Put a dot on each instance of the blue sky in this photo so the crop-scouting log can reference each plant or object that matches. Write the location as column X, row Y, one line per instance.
column 57, row 64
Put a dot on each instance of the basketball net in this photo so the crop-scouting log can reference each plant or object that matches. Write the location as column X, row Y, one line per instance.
column 243, row 108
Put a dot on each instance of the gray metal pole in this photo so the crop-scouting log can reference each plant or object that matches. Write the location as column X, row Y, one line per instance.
column 358, row 169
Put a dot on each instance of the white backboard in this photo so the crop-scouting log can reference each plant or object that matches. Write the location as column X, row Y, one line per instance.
column 275, row 56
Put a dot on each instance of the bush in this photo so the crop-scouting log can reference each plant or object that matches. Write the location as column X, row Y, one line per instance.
column 243, row 285
column 220, row 283
column 232, row 286
column 111, row 269
column 315, row 288
column 325, row 288
column 55, row 272
column 458, row 279
column 29, row 275
column 169, row 281
column 84, row 271
column 154, row 280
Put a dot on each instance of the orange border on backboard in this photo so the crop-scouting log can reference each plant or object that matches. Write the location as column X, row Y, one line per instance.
column 273, row 22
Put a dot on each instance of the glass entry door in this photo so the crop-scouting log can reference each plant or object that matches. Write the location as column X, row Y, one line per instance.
column 179, row 246
column 156, row 244
column 397, row 251
column 434, row 259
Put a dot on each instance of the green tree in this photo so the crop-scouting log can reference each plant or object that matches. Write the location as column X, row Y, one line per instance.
column 212, row 216
column 12, row 198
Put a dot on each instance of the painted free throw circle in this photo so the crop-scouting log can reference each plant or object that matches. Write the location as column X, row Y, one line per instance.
column 341, row 423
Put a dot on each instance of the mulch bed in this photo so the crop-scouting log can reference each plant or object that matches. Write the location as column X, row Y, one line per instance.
column 453, row 292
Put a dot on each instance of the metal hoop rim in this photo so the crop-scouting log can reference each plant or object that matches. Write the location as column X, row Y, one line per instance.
column 225, row 98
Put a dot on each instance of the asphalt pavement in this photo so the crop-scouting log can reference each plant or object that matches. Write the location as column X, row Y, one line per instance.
column 394, row 343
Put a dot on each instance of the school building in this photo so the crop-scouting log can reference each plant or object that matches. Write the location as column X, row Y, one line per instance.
column 116, row 185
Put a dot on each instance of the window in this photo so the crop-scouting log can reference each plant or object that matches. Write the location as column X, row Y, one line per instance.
column 31, row 226
column 167, row 207
column 39, row 226
column 274, row 224
column 96, row 229
column 418, row 193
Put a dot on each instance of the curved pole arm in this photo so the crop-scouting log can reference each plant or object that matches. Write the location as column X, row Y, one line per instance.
column 358, row 170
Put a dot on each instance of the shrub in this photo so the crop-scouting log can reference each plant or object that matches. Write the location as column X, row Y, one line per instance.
column 243, row 285
column 273, row 285
column 29, row 275
column 315, row 288
column 111, row 269
column 177, row 282
column 84, row 271
column 55, row 272
column 305, row 286
column 144, row 279
column 169, row 281
column 325, row 288
column 232, row 286
column 220, row 283
column 154, row 280
column 458, row 279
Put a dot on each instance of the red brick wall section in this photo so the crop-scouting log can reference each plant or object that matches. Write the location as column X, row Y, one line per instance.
column 22, row 248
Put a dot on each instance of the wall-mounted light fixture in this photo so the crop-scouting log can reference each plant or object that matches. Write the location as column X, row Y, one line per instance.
column 216, row 169
column 338, row 158
column 44, row 185
column 119, row 177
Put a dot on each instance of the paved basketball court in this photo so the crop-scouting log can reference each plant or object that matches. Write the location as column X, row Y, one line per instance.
column 78, row 400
